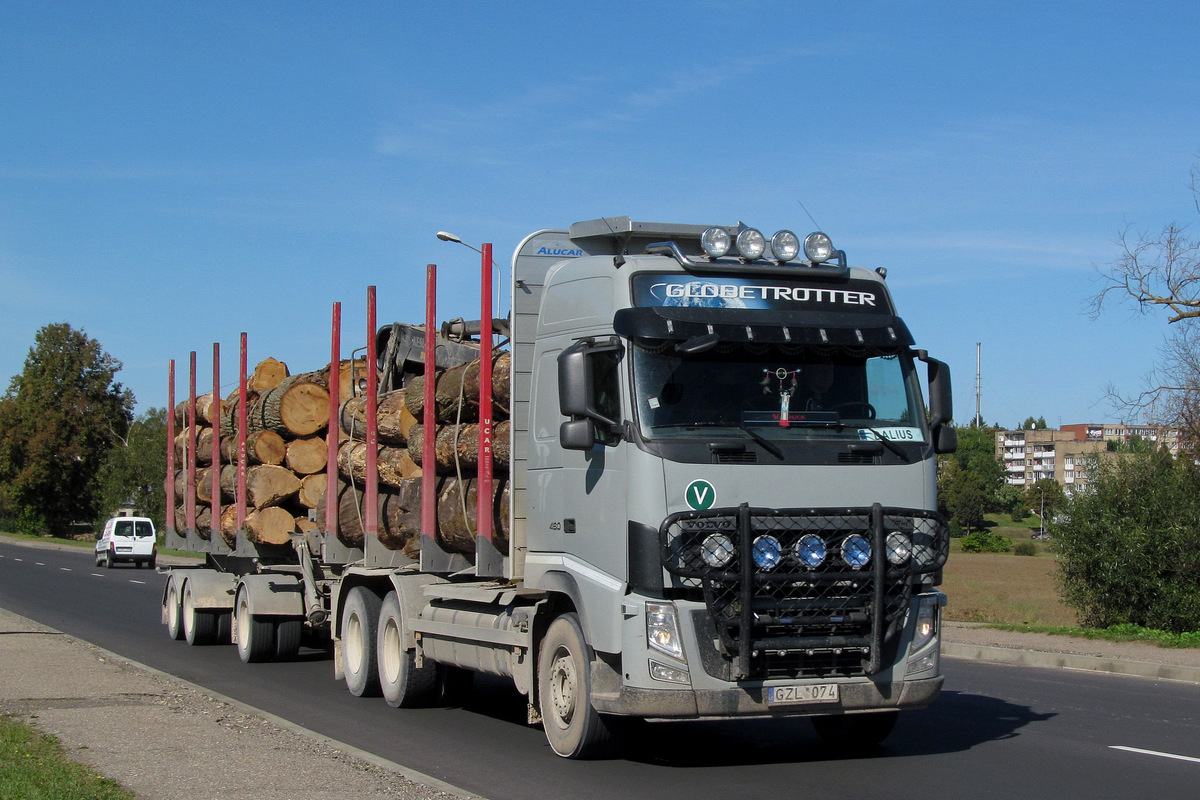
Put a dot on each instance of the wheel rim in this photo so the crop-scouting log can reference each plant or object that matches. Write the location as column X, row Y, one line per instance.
column 564, row 687
column 189, row 609
column 243, row 624
column 173, row 610
column 390, row 657
column 354, row 642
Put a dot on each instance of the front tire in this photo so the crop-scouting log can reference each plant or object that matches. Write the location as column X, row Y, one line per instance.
column 404, row 684
column 360, row 616
column 573, row 727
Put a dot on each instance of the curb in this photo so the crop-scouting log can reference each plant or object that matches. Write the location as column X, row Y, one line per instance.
column 1071, row 661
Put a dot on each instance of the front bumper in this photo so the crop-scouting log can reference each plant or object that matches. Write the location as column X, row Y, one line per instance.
column 856, row 696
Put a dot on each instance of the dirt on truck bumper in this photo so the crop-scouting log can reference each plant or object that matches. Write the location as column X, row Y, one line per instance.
column 609, row 697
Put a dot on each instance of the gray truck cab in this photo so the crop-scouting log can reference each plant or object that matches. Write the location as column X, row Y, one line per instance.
column 728, row 464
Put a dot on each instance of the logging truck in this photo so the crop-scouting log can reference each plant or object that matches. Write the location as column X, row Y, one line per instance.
column 690, row 474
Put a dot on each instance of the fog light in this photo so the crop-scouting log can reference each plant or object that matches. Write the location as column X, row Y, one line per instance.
column 663, row 672
column 899, row 547
column 856, row 550
column 767, row 552
column 811, row 551
column 717, row 550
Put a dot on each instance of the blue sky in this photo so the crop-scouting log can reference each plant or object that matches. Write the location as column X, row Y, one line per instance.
column 172, row 174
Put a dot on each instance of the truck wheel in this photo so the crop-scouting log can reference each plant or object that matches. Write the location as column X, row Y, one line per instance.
column 255, row 635
column 108, row 559
column 360, row 615
column 573, row 728
column 287, row 638
column 174, row 612
column 404, row 684
column 855, row 730
column 199, row 627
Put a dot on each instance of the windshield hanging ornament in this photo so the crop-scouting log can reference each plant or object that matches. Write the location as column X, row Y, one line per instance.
column 786, row 389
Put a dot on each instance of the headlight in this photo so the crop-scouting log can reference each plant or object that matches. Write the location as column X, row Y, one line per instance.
column 856, row 550
column 662, row 630
column 818, row 247
column 767, row 552
column 811, row 551
column 785, row 245
column 715, row 242
column 927, row 609
column 717, row 550
column 751, row 244
column 899, row 547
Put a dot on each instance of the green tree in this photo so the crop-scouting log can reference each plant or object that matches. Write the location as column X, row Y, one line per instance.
column 966, row 497
column 133, row 470
column 1129, row 545
column 1031, row 424
column 58, row 420
column 1045, row 498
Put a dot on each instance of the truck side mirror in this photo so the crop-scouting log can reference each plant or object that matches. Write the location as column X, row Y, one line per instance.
column 941, row 407
column 577, row 434
column 587, row 390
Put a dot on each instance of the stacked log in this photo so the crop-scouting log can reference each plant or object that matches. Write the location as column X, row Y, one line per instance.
column 287, row 450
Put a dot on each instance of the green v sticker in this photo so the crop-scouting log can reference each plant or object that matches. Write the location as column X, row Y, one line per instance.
column 700, row 495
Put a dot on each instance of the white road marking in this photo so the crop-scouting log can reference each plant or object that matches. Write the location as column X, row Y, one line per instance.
column 65, row 569
column 98, row 574
column 1154, row 753
column 38, row 564
column 131, row 580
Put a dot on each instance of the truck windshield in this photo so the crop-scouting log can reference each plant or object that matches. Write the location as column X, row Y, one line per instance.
column 777, row 392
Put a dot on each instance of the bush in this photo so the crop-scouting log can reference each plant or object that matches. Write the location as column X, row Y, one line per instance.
column 985, row 542
column 1025, row 549
column 1129, row 547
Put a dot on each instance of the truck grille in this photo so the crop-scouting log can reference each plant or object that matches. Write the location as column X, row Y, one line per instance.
column 803, row 592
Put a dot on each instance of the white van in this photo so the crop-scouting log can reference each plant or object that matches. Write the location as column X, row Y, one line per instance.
column 127, row 539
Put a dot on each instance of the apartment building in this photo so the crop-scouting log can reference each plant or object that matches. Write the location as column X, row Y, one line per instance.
column 1064, row 454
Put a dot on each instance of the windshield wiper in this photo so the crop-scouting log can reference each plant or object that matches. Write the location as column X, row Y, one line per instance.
column 886, row 442
column 765, row 443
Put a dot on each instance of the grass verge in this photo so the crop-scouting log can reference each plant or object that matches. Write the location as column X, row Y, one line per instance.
column 34, row 766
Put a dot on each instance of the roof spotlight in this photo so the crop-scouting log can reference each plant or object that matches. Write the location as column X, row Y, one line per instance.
column 715, row 241
column 751, row 244
column 785, row 245
column 818, row 248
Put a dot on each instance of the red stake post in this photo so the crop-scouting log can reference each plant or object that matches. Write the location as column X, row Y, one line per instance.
column 371, row 500
column 215, row 470
column 191, row 445
column 169, row 522
column 243, row 432
column 331, row 473
column 428, row 460
column 483, row 494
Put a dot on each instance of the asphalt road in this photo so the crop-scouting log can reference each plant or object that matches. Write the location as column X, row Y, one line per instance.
column 997, row 731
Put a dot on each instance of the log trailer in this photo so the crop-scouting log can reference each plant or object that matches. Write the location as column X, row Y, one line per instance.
column 719, row 502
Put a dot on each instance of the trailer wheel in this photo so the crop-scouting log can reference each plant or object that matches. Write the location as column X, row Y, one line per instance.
column 856, row 731
column 573, row 727
column 174, row 613
column 287, row 638
column 404, row 684
column 360, row 615
column 199, row 627
column 255, row 635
